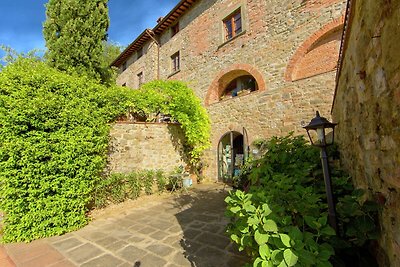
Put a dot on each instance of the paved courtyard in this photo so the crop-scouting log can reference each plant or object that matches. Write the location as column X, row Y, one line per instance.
column 168, row 230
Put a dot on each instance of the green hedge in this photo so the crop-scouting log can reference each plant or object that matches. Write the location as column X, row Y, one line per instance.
column 53, row 145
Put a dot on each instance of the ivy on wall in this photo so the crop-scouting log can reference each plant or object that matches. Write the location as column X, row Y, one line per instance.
column 176, row 99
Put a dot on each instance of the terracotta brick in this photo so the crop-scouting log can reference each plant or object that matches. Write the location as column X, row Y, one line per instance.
column 22, row 252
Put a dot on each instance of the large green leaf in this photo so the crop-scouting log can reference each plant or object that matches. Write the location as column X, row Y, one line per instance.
column 270, row 226
column 266, row 210
column 264, row 251
column 261, row 238
column 285, row 239
column 290, row 257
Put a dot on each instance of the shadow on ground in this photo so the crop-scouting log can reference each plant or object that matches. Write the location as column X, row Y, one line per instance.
column 203, row 223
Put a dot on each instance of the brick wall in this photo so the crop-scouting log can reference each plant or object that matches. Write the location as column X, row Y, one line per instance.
column 141, row 146
column 366, row 108
column 274, row 31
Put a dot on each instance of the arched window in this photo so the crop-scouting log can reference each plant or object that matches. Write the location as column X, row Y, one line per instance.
column 239, row 79
column 239, row 86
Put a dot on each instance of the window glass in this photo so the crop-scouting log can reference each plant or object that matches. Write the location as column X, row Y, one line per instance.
column 140, row 78
column 175, row 58
column 139, row 52
column 240, row 86
column 228, row 29
column 233, row 25
column 238, row 23
column 174, row 29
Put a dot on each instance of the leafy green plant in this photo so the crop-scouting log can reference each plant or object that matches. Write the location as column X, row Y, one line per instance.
column 271, row 239
column 148, row 181
column 161, row 181
column 118, row 187
column 282, row 219
column 53, row 147
column 133, row 185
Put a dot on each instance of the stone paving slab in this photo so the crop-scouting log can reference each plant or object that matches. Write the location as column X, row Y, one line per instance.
column 5, row 260
column 174, row 230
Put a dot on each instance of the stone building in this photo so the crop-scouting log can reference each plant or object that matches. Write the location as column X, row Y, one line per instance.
column 261, row 67
column 366, row 108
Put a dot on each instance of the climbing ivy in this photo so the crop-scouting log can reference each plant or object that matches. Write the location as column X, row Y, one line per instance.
column 176, row 99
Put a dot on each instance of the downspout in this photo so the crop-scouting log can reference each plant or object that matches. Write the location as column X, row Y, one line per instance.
column 151, row 35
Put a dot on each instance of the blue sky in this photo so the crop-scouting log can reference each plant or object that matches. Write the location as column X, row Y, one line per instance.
column 21, row 21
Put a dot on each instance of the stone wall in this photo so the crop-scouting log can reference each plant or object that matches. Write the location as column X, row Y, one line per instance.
column 141, row 146
column 366, row 108
column 280, row 38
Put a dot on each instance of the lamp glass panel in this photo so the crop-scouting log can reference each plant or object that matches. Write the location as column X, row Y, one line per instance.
column 329, row 136
column 313, row 136
column 321, row 135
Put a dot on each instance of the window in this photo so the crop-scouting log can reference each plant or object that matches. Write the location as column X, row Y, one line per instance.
column 240, row 86
column 140, row 78
column 233, row 25
column 124, row 66
column 175, row 59
column 139, row 53
column 175, row 29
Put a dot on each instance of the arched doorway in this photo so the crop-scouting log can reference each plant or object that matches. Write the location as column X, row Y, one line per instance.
column 233, row 150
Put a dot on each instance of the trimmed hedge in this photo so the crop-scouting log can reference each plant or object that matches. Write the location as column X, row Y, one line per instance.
column 53, row 147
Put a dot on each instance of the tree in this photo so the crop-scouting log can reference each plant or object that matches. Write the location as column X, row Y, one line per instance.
column 11, row 55
column 74, row 31
column 111, row 51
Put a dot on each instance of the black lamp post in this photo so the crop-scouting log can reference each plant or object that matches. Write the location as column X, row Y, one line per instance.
column 321, row 134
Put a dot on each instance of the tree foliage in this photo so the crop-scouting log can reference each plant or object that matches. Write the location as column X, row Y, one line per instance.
column 53, row 147
column 74, row 31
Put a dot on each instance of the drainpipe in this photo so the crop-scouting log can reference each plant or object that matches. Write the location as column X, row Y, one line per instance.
column 152, row 36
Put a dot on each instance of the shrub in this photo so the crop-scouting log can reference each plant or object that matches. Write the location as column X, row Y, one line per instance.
column 282, row 219
column 119, row 187
column 148, row 181
column 53, row 144
column 161, row 181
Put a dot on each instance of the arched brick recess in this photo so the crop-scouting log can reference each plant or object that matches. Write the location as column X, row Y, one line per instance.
column 224, row 77
column 319, row 50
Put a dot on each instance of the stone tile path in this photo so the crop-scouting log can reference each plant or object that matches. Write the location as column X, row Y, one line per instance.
column 176, row 230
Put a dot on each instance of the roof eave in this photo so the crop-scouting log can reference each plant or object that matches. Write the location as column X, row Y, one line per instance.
column 166, row 22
